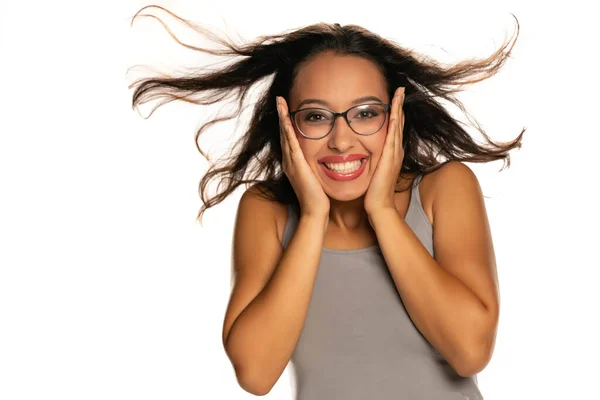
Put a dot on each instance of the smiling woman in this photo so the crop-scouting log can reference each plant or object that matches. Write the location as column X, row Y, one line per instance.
column 376, row 272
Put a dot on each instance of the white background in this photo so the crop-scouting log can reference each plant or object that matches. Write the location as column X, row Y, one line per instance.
column 109, row 288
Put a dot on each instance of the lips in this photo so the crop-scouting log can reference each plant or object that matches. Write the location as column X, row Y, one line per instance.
column 343, row 176
column 342, row 159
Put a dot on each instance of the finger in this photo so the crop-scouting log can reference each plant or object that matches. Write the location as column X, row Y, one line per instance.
column 285, row 156
column 398, row 110
column 391, row 136
column 402, row 123
column 281, row 127
column 390, row 142
column 400, row 120
column 283, row 136
column 394, row 112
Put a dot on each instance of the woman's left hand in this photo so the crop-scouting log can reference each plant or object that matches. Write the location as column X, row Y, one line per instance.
column 380, row 194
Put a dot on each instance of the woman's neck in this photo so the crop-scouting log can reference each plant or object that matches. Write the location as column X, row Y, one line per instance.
column 348, row 215
column 351, row 215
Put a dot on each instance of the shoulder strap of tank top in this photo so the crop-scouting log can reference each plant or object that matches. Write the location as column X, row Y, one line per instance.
column 290, row 226
column 415, row 195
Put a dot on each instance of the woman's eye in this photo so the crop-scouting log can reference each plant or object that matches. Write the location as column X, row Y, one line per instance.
column 314, row 117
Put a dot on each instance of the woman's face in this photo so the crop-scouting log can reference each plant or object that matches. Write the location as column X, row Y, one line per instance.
column 337, row 81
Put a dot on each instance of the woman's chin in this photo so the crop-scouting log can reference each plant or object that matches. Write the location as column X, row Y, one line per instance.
column 347, row 194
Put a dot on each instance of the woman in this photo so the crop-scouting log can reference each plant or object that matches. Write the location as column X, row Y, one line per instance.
column 359, row 255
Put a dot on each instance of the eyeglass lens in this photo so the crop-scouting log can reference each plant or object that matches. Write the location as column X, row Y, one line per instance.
column 365, row 119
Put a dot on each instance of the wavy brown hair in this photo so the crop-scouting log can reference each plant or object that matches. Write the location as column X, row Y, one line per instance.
column 430, row 132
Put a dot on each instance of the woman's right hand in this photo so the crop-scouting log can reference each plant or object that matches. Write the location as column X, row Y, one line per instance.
column 312, row 198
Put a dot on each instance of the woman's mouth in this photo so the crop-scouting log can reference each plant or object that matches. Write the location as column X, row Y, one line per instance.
column 344, row 171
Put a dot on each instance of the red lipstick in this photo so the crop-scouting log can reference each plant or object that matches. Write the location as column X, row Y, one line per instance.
column 341, row 159
column 343, row 176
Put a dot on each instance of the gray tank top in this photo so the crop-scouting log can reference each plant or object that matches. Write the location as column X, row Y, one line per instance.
column 358, row 341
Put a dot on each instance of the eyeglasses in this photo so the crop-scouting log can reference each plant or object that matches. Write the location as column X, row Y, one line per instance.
column 363, row 119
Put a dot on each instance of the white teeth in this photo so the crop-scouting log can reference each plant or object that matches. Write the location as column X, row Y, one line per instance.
column 346, row 167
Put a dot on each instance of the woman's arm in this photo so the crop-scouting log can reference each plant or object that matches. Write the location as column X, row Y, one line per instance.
column 452, row 299
column 272, row 292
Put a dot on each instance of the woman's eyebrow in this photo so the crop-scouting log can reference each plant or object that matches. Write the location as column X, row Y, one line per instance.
column 355, row 101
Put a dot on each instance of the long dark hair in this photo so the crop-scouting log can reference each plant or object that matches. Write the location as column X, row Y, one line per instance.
column 432, row 136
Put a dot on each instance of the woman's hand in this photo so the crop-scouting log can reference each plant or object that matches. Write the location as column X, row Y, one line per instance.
column 312, row 198
column 380, row 193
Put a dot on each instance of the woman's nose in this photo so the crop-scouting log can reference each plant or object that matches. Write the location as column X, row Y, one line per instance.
column 341, row 137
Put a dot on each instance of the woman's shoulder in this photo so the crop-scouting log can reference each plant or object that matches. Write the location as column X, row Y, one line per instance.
column 432, row 183
column 265, row 206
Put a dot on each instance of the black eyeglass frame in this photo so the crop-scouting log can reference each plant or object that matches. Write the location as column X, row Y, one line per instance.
column 387, row 108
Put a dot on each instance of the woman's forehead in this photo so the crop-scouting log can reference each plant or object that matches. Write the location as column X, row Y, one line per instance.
column 338, row 79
